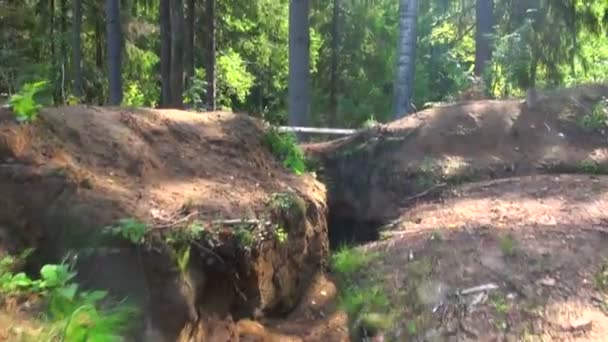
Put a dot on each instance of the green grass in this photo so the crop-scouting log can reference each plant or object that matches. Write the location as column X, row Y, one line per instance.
column 347, row 261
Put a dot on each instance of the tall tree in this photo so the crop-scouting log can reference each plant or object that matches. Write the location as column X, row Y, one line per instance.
column 210, row 58
column 165, row 51
column 189, row 46
column 63, row 27
column 177, row 53
column 77, row 49
column 299, row 63
column 406, row 57
column 114, row 37
column 484, row 23
column 335, row 54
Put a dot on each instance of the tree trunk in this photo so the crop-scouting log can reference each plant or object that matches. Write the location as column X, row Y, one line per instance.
column 77, row 49
column 406, row 57
column 484, row 13
column 53, row 48
column 177, row 53
column 189, row 47
column 210, row 55
column 335, row 54
column 165, row 52
column 299, row 63
column 63, row 26
column 114, row 37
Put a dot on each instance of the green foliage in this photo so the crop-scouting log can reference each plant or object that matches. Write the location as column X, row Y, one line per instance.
column 141, row 85
column 370, row 122
column 601, row 277
column 348, row 261
column 129, row 229
column 25, row 103
column 597, row 119
column 281, row 235
column 590, row 167
column 244, row 236
column 195, row 93
column 72, row 314
column 357, row 300
column 234, row 80
column 285, row 147
column 283, row 201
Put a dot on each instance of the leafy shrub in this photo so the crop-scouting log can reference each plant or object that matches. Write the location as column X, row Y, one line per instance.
column 285, row 147
column 134, row 96
column 72, row 314
column 195, row 93
column 25, row 103
column 129, row 229
column 597, row 118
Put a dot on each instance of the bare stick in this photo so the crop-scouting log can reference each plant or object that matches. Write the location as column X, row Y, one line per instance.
column 481, row 288
column 426, row 192
column 331, row 131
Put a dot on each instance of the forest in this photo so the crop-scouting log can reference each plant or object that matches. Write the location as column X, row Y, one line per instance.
column 350, row 59
column 152, row 187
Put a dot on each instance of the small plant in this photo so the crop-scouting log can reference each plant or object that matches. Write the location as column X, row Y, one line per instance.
column 601, row 277
column 244, row 236
column 281, row 235
column 357, row 300
column 597, row 119
column 72, row 314
column 129, row 229
column 282, row 200
column 24, row 103
column 436, row 235
column 500, row 304
column 285, row 147
column 590, row 167
column 508, row 246
column 195, row 231
column 370, row 122
column 347, row 261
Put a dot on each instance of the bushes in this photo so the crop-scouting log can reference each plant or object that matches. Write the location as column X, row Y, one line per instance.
column 285, row 147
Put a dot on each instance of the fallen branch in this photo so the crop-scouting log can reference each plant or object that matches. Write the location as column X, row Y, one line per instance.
column 240, row 221
column 175, row 223
column 426, row 192
column 480, row 288
column 332, row 131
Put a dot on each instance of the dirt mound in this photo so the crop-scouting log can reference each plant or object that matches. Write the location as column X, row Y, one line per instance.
column 377, row 172
column 79, row 169
column 537, row 244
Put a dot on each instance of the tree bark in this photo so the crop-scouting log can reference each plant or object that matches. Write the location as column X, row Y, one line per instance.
column 177, row 53
column 335, row 54
column 77, row 49
column 189, row 46
column 63, row 27
column 299, row 63
column 406, row 57
column 210, row 67
column 484, row 12
column 114, row 37
column 165, row 52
